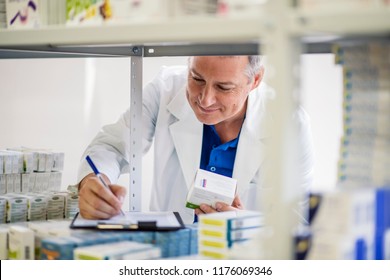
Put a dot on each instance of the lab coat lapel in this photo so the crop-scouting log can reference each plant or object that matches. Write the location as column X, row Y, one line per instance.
column 187, row 134
column 251, row 148
column 250, row 155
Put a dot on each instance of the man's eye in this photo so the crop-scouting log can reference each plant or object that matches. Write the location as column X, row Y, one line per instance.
column 224, row 88
column 197, row 79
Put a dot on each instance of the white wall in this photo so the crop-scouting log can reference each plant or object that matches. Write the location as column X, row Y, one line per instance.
column 62, row 103
column 322, row 89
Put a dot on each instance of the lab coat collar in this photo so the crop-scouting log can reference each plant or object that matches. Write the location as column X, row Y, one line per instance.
column 187, row 134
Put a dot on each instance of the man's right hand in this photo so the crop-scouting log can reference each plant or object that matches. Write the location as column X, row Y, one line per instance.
column 96, row 201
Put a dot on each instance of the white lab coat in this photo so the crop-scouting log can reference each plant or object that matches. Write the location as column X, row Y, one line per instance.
column 169, row 120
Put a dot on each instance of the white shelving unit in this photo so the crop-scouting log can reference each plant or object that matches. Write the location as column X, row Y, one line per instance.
column 192, row 30
column 294, row 32
column 280, row 32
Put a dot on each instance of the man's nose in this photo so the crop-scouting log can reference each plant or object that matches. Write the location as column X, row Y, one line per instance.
column 207, row 96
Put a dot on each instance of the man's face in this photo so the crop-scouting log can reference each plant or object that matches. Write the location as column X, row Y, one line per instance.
column 218, row 88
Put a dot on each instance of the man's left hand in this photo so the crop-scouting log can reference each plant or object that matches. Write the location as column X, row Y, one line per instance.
column 220, row 207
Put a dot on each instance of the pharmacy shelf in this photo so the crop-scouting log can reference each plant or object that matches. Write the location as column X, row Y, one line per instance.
column 193, row 30
column 339, row 23
column 318, row 31
column 194, row 36
column 201, row 36
column 177, row 49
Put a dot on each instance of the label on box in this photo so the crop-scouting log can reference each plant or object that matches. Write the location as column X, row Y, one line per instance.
column 210, row 188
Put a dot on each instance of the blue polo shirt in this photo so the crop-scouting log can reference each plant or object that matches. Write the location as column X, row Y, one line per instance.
column 217, row 157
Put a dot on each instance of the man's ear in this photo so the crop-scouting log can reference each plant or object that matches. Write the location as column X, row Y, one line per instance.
column 258, row 78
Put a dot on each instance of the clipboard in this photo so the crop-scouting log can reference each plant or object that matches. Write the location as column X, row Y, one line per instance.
column 133, row 221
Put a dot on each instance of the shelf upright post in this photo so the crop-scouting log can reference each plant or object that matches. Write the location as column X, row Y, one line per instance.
column 135, row 157
column 280, row 196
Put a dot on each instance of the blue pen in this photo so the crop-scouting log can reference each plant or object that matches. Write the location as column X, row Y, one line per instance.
column 99, row 175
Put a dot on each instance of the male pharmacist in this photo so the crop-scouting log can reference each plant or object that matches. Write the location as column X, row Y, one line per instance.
column 212, row 115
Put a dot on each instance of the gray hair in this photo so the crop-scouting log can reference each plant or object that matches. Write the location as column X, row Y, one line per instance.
column 254, row 66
